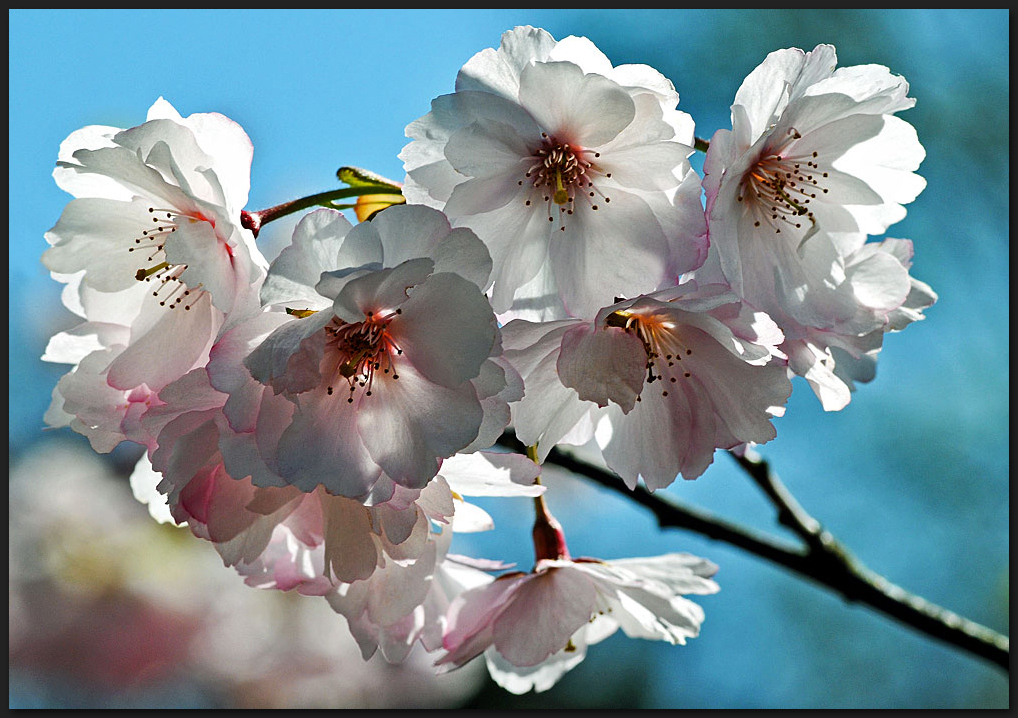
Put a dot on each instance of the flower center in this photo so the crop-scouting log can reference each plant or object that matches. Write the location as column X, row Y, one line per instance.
column 560, row 173
column 781, row 185
column 171, row 290
column 665, row 351
column 361, row 349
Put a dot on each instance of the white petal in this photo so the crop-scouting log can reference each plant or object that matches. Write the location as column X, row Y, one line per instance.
column 176, row 343
column 210, row 263
column 446, row 329
column 549, row 410
column 682, row 573
column 518, row 243
column 603, row 364
column 589, row 110
column 407, row 232
column 288, row 358
column 97, row 235
column 470, row 518
column 143, row 485
column 539, row 678
column 470, row 619
column 319, row 245
column 489, row 473
column 409, row 423
column 589, row 267
column 380, row 291
column 498, row 71
column 350, row 551
column 73, row 182
column 321, row 446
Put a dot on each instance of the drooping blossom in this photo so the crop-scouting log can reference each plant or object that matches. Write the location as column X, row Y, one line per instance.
column 376, row 357
column 812, row 148
column 533, row 627
column 573, row 172
column 661, row 381
column 313, row 542
column 381, row 566
column 404, row 599
column 153, row 256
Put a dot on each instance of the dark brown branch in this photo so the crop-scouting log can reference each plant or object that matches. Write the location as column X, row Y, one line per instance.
column 822, row 559
column 832, row 564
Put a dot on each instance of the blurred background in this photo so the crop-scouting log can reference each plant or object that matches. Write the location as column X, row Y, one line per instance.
column 109, row 609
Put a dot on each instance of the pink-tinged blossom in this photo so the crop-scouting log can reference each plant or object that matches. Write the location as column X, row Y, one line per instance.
column 811, row 147
column 284, row 538
column 661, row 381
column 377, row 357
column 151, row 250
column 186, row 469
column 297, row 538
column 573, row 172
column 83, row 399
column 405, row 598
column 375, row 564
column 534, row 627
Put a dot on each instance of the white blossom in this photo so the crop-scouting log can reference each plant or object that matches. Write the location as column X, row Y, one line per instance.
column 573, row 173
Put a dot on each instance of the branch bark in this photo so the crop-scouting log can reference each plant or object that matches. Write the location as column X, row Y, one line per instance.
column 821, row 558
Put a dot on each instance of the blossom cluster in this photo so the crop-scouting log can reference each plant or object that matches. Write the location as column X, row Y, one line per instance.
column 552, row 264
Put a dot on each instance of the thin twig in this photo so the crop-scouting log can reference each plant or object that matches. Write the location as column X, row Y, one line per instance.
column 822, row 559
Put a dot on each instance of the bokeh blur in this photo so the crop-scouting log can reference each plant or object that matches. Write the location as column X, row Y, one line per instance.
column 110, row 609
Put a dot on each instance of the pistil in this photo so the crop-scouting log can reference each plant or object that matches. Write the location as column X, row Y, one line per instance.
column 362, row 349
column 563, row 172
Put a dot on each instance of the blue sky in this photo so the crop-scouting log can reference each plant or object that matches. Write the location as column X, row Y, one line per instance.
column 913, row 475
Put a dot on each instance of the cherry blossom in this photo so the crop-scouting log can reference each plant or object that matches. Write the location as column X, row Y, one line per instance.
column 151, row 244
column 848, row 300
column 551, row 263
column 816, row 160
column 573, row 172
column 159, row 203
column 534, row 627
column 811, row 148
column 660, row 380
column 405, row 598
column 375, row 565
column 287, row 539
column 375, row 358
column 81, row 399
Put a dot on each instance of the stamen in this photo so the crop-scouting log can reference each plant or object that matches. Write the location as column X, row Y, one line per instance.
column 172, row 290
column 781, row 186
column 659, row 339
column 562, row 173
column 362, row 349
column 197, row 296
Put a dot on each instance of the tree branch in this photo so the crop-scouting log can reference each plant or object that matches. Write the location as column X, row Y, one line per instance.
column 822, row 558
